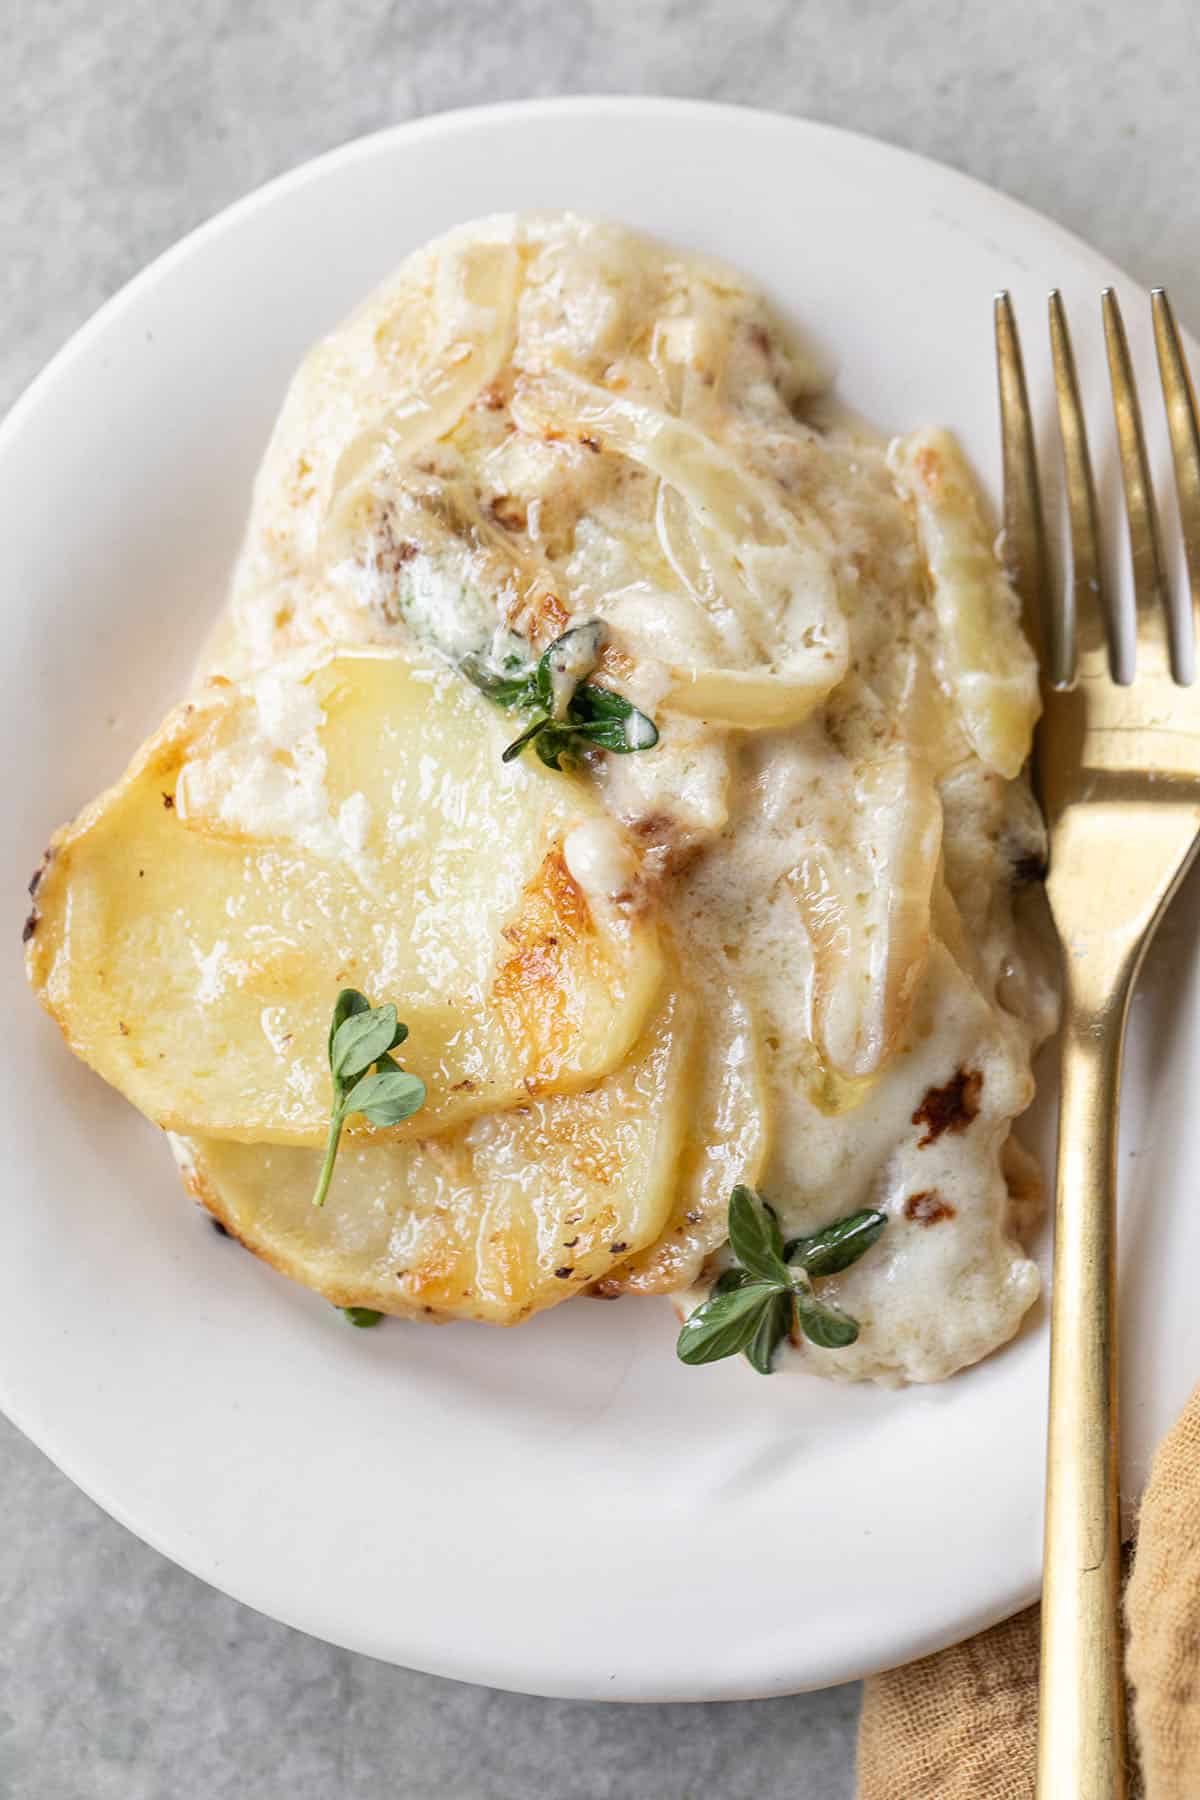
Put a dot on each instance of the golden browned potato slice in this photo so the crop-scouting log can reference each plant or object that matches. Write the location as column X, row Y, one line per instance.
column 726, row 1143
column 341, row 821
column 494, row 1220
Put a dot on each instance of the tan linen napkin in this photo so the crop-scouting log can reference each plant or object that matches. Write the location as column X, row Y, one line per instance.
column 963, row 1725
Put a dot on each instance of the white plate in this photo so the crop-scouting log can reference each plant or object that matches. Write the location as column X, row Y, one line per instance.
column 565, row 1508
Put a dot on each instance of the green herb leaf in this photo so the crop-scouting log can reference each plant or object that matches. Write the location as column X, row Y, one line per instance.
column 386, row 1098
column 505, row 690
column 331, row 1149
column 360, row 1040
column 755, row 1238
column 840, row 1244
column 594, row 703
column 589, row 715
column 362, row 1316
column 603, row 734
column 513, row 750
column 752, row 1305
column 826, row 1326
column 555, row 742
column 726, row 1324
column 596, row 731
column 543, row 681
column 727, row 1280
column 565, row 663
column 609, row 720
column 348, row 1002
column 361, row 1036
column 775, row 1326
column 641, row 733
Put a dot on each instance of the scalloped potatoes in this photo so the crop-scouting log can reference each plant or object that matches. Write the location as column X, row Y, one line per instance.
column 789, row 946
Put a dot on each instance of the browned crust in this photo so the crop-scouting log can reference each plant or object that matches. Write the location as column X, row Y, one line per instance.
column 950, row 1108
column 928, row 1208
column 534, row 986
column 509, row 512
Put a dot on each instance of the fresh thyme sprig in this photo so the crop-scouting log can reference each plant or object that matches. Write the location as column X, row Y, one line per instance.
column 752, row 1306
column 571, row 713
column 361, row 1037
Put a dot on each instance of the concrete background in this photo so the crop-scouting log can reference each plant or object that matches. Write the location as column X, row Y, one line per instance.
column 122, row 124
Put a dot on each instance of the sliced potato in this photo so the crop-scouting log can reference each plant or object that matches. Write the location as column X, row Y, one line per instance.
column 726, row 1144
column 342, row 821
column 986, row 661
column 494, row 1220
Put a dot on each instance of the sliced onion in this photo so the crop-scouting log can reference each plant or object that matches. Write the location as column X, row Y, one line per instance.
column 867, row 914
column 765, row 699
column 476, row 295
column 764, row 582
column 984, row 660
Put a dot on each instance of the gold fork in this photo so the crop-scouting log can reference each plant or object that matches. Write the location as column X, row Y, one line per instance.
column 1118, row 771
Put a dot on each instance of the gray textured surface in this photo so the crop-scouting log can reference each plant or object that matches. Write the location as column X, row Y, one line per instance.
column 123, row 125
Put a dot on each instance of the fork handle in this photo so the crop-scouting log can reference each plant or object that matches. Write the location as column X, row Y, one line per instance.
column 1081, row 1734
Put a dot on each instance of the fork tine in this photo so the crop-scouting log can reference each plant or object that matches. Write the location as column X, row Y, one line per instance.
column 1179, row 399
column 1085, row 605
column 1145, row 538
column 1024, row 526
